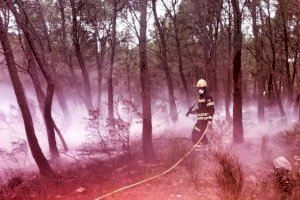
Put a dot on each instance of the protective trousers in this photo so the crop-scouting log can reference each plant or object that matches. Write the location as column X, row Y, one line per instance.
column 198, row 131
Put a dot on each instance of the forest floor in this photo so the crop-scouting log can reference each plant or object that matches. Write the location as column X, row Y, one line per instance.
column 199, row 176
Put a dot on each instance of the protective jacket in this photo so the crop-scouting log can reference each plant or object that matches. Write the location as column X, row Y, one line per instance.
column 204, row 112
column 206, row 108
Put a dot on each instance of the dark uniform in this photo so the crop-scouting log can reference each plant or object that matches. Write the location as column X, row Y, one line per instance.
column 205, row 112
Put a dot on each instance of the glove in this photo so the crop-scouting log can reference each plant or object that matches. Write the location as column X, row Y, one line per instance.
column 209, row 125
column 193, row 112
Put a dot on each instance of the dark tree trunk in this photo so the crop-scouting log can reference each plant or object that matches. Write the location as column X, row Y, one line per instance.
column 110, row 88
column 238, row 132
column 32, row 69
column 179, row 50
column 44, row 26
column 145, row 86
column 81, row 61
column 129, row 78
column 259, row 62
column 66, row 54
column 180, row 66
column 215, row 38
column 58, row 90
column 30, row 34
column 42, row 163
column 228, row 89
column 271, row 39
column 279, row 103
column 228, row 95
column 164, row 58
column 271, row 76
column 286, row 51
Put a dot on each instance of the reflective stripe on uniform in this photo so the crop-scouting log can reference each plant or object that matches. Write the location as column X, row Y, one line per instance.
column 197, row 129
column 205, row 118
column 210, row 104
column 202, row 114
column 201, row 100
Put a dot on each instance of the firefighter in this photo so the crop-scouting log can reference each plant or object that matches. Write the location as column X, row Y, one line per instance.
column 204, row 111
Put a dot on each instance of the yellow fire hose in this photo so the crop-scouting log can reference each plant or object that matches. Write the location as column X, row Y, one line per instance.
column 159, row 175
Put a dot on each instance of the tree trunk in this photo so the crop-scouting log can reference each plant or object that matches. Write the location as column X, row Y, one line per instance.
column 163, row 52
column 228, row 89
column 298, row 3
column 30, row 34
column 129, row 79
column 99, row 63
column 286, row 51
column 81, row 61
column 145, row 86
column 41, row 161
column 111, row 63
column 41, row 96
column 58, row 90
column 66, row 54
column 228, row 95
column 271, row 39
column 179, row 50
column 279, row 103
column 215, row 38
column 238, row 133
column 259, row 62
column 180, row 67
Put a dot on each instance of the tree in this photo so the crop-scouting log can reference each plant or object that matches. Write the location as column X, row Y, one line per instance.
column 111, row 61
column 99, row 62
column 283, row 18
column 206, row 20
column 31, row 37
column 76, row 43
column 238, row 132
column 164, row 59
column 145, row 86
column 117, row 6
column 32, row 70
column 174, row 19
column 58, row 90
column 41, row 161
column 228, row 78
column 259, row 60
column 66, row 52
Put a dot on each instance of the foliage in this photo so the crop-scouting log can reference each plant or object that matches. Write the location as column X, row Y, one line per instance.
column 230, row 176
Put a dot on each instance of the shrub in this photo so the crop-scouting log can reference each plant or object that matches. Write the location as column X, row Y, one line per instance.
column 229, row 176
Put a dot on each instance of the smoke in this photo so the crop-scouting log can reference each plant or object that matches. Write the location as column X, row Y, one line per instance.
column 75, row 132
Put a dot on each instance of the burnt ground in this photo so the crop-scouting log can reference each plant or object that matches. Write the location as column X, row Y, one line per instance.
column 194, row 178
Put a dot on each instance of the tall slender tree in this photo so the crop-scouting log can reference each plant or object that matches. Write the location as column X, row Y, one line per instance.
column 58, row 90
column 164, row 59
column 31, row 37
column 111, row 61
column 238, row 132
column 145, row 86
column 117, row 6
column 81, row 61
column 174, row 19
column 35, row 148
column 65, row 51
column 259, row 60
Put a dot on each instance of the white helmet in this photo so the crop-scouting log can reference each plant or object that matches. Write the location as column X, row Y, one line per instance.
column 201, row 83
